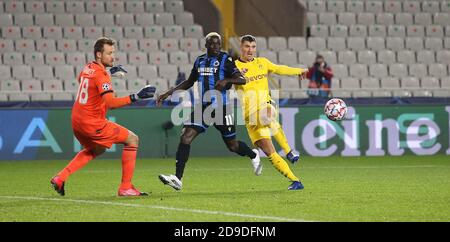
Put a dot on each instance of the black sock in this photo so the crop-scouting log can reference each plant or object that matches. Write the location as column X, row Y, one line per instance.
column 244, row 150
column 182, row 157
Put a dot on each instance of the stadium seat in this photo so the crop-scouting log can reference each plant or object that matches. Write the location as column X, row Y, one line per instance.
column 398, row 70
column 384, row 18
column 414, row 43
column 393, row 6
column 128, row 45
column 317, row 6
column 316, row 43
column 374, row 7
column 260, row 41
column 378, row 70
column 396, row 31
column 169, row 72
column 33, row 58
column 44, row 19
column 145, row 19
column 193, row 31
column 5, row 73
column 287, row 57
column 115, row 7
column 174, row 6
column 443, row 57
column 120, row 58
column 147, row 71
column 10, row 86
column 25, row 45
column 347, row 57
column 132, row 71
column 67, row 45
column 327, row 18
column 184, row 19
column 23, row 20
column 153, row 32
column 43, row 72
column 445, row 82
column 311, row 18
column 76, row 59
column 356, row 43
column 35, row 7
column 376, row 43
column 426, row 57
column 104, row 19
column 95, row 7
column 173, row 31
column 118, row 84
column 14, row 7
column 189, row 44
column 411, row 6
column 377, row 30
column 329, row 56
column 148, row 45
column 338, row 30
column 406, row 57
column 154, row 6
column 12, row 58
column 415, row 31
column 441, row 18
column 11, row 32
column 134, row 7
column 277, row 43
column 32, row 32
column 434, row 31
column 84, row 19
column 136, row 84
column 340, row 70
column 158, row 58
column 133, row 32
column 358, row 30
column 437, row 70
column 319, row 30
column 306, row 57
column 75, row 7
column 73, row 33
column 92, row 32
column 164, row 19
column 137, row 58
column 270, row 55
column 52, row 32
column 124, row 19
column 346, row 18
column 365, row 18
column 6, row 20
column 64, row 72
column 114, row 32
column 55, row 7
column 367, row 57
column 430, row 82
column 433, row 43
column 52, row 86
column 370, row 83
column 336, row 43
column 178, row 58
column 354, row 6
column 6, row 45
column 422, row 19
column 430, row 6
column 85, row 45
column 30, row 86
column 168, row 44
column 395, row 43
column 418, row 70
column 64, row 20
column 390, row 82
column 54, row 58
column 3, row 97
column 21, row 72
column 403, row 19
column 410, row 82
column 358, row 70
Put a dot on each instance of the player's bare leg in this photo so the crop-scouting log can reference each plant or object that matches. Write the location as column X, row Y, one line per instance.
column 267, row 147
column 128, row 165
column 188, row 135
column 242, row 149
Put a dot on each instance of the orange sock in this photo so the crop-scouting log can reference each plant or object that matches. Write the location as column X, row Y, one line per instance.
column 128, row 164
column 80, row 160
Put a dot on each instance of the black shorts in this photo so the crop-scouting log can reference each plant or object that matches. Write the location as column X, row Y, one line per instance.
column 224, row 123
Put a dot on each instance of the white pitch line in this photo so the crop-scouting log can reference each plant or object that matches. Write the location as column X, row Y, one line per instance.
column 188, row 210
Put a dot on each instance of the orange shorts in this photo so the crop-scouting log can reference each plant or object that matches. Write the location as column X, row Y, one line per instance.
column 110, row 134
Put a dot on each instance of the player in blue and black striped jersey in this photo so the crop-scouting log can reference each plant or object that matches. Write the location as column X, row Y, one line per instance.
column 216, row 72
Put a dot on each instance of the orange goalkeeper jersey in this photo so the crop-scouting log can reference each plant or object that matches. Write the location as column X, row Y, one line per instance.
column 89, row 109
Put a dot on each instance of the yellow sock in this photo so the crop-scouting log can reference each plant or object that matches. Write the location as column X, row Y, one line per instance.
column 282, row 166
column 280, row 137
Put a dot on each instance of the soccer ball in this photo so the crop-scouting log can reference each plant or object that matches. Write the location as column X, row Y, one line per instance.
column 335, row 109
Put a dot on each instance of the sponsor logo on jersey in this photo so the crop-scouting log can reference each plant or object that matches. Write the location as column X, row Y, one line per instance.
column 207, row 71
column 255, row 78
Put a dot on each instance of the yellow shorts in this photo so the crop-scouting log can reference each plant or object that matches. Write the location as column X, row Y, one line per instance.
column 258, row 132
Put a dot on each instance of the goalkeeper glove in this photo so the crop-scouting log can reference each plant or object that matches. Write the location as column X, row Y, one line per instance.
column 117, row 71
column 145, row 93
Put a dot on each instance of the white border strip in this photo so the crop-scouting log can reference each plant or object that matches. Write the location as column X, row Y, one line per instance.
column 188, row 210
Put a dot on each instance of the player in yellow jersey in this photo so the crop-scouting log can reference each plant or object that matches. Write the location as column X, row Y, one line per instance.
column 258, row 111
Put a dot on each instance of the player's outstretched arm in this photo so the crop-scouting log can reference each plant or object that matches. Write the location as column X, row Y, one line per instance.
column 113, row 102
column 182, row 86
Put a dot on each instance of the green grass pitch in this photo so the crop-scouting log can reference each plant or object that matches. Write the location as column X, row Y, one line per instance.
column 407, row 188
